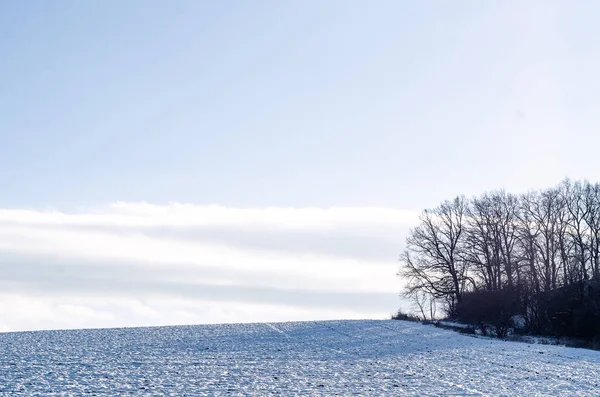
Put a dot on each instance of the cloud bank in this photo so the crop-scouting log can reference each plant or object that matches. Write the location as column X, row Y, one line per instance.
column 134, row 264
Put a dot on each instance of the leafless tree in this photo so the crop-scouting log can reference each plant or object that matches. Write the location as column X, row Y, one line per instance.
column 539, row 252
column 424, row 304
column 433, row 261
column 483, row 242
column 592, row 219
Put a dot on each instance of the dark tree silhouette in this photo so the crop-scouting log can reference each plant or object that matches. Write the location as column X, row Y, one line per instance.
column 434, row 260
column 499, row 255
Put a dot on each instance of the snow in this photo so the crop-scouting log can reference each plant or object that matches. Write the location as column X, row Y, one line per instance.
column 379, row 358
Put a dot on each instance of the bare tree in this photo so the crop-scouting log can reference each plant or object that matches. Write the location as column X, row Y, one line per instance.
column 433, row 261
column 424, row 304
column 577, row 207
column 527, row 237
column 565, row 242
column 483, row 242
column 506, row 208
column 536, row 255
column 592, row 219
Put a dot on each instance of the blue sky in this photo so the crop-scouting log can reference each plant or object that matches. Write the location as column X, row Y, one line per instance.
column 282, row 106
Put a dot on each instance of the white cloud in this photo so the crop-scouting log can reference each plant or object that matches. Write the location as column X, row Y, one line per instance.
column 176, row 214
column 229, row 264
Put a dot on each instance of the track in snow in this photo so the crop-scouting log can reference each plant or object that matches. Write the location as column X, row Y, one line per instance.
column 299, row 358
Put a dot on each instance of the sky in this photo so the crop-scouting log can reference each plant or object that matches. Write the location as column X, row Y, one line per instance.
column 208, row 162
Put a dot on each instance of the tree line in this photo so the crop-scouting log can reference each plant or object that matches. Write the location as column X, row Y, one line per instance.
column 499, row 257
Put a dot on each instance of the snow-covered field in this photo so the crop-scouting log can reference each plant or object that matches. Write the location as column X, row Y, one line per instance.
column 343, row 358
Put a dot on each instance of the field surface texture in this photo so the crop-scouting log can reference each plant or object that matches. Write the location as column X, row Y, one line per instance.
column 345, row 358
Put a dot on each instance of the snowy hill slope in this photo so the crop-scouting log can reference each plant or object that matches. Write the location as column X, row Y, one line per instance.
column 383, row 358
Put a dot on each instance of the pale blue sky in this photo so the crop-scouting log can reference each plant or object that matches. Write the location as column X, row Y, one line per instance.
column 267, row 108
column 318, row 103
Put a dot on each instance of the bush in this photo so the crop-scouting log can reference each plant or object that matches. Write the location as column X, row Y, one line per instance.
column 572, row 311
column 400, row 315
column 488, row 310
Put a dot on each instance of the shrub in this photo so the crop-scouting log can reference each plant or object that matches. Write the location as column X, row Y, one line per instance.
column 400, row 315
column 489, row 310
